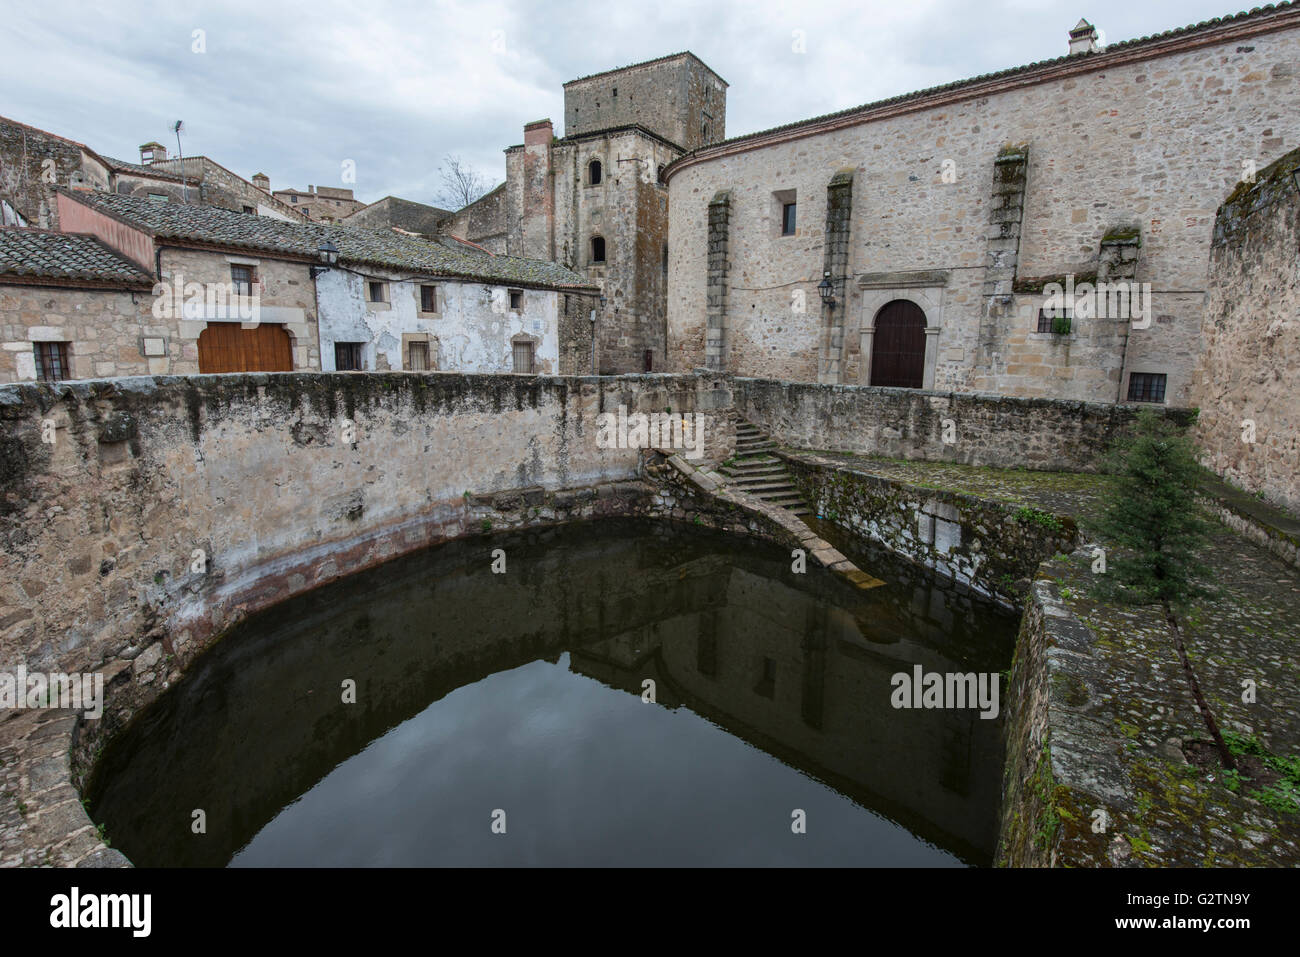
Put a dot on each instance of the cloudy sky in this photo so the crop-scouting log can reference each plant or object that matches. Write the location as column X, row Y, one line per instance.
column 296, row 91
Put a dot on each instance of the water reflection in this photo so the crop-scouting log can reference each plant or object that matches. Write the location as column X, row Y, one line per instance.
column 475, row 695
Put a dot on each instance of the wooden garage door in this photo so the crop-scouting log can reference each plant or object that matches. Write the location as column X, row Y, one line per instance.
column 898, row 346
column 225, row 347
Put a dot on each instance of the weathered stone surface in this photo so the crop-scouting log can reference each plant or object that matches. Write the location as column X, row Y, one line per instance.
column 1245, row 376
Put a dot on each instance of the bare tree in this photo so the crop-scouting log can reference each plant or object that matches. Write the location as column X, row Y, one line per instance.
column 461, row 184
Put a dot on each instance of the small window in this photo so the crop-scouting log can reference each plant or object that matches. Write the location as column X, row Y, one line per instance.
column 523, row 355
column 516, row 300
column 378, row 291
column 347, row 356
column 597, row 249
column 417, row 357
column 428, row 298
column 661, row 174
column 594, row 172
column 293, row 199
column 616, row 91
column 1058, row 321
column 649, row 360
column 242, row 278
column 788, row 219
column 250, row 209
column 665, row 259
column 52, row 361
column 1146, row 387
column 158, row 197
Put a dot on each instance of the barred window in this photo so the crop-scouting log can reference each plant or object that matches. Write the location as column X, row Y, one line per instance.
column 524, row 353
column 52, row 361
column 428, row 298
column 418, row 357
column 347, row 356
column 1146, row 387
column 241, row 277
column 1055, row 320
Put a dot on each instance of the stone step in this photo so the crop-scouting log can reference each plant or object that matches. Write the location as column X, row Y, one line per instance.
column 766, row 490
column 783, row 501
column 749, row 448
column 763, row 473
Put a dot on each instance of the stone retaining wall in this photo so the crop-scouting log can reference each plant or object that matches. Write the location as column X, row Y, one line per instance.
column 141, row 518
column 997, row 431
column 993, row 547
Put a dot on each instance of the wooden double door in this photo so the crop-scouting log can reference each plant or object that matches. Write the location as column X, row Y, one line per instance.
column 228, row 347
column 898, row 346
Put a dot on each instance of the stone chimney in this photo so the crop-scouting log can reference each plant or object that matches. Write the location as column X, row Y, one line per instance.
column 262, row 182
column 1083, row 38
column 539, row 133
column 152, row 153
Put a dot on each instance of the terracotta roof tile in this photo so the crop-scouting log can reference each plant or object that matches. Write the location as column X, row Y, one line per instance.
column 357, row 245
column 47, row 254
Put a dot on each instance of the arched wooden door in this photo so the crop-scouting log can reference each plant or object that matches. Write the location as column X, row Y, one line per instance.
column 225, row 347
column 898, row 346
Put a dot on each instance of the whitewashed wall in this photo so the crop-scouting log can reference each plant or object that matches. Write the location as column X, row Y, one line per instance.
column 472, row 331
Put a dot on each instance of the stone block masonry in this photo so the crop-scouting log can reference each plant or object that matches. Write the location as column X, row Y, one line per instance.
column 715, row 333
column 991, row 430
column 1150, row 133
column 1245, row 381
column 835, row 264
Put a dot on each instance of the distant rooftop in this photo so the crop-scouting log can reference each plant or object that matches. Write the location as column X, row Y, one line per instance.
column 386, row 248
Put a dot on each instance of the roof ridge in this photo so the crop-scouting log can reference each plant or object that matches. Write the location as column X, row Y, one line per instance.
column 914, row 95
column 658, row 59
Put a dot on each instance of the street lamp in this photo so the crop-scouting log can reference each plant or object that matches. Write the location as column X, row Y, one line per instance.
column 328, row 254
column 826, row 290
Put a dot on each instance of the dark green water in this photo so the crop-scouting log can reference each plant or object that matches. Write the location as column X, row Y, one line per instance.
column 522, row 693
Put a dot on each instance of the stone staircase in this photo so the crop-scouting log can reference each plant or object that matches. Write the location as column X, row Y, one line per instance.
column 754, row 469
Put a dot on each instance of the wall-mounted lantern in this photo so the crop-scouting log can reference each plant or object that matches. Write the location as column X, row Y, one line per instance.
column 328, row 254
column 826, row 289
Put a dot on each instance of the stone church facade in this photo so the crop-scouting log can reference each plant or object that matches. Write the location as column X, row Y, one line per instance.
column 942, row 222
column 594, row 200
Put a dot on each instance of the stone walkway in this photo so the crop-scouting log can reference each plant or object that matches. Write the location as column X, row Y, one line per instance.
column 42, row 823
column 1126, row 708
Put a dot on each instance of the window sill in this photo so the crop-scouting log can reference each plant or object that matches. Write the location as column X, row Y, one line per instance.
column 428, row 315
column 378, row 306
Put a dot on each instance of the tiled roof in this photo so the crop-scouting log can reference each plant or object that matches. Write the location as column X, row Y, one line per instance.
column 357, row 245
column 1125, row 45
column 122, row 166
column 47, row 254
